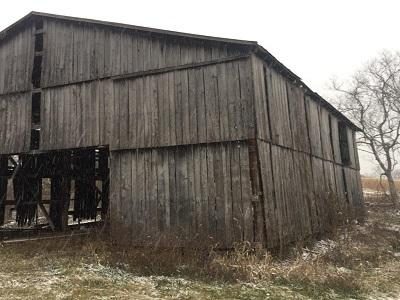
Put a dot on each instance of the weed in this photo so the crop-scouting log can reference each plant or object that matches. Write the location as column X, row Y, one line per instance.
column 358, row 260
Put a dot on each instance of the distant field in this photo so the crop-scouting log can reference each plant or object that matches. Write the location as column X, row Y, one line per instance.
column 376, row 184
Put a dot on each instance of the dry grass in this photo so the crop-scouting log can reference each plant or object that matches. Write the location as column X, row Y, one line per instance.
column 375, row 184
column 360, row 262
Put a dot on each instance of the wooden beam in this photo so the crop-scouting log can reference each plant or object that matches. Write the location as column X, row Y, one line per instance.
column 3, row 187
column 45, row 213
column 13, row 202
column 51, row 237
column 180, row 67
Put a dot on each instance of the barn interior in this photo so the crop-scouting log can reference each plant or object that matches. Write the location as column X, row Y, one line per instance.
column 62, row 187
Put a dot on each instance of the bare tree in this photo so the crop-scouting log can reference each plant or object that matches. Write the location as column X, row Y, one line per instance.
column 372, row 100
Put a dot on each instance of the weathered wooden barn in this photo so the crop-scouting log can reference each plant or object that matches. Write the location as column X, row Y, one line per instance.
column 172, row 137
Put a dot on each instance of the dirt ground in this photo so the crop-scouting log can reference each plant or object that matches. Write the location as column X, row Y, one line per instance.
column 360, row 261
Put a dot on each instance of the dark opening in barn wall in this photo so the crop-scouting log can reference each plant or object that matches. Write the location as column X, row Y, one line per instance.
column 3, row 186
column 77, row 185
column 344, row 144
column 346, row 190
column 331, row 139
column 35, row 114
column 39, row 24
column 37, row 71
column 38, row 42
column 36, row 84
column 35, row 139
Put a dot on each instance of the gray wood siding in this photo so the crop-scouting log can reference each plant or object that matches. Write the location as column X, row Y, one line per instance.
column 260, row 99
column 302, row 194
column 194, row 193
column 327, row 149
column 352, row 148
column 196, row 105
column 298, row 118
column 287, row 117
column 304, row 183
column 77, row 51
column 77, row 115
column 278, row 106
column 314, row 127
column 355, row 149
column 288, row 194
column 335, row 140
column 16, row 59
column 15, row 125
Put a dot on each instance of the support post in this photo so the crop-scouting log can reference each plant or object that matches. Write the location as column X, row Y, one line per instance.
column 258, row 200
column 60, row 191
column 46, row 215
column 105, row 188
column 3, row 187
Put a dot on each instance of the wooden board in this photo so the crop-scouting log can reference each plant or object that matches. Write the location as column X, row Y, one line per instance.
column 352, row 149
column 278, row 107
column 335, row 139
column 298, row 118
column 314, row 127
column 15, row 123
column 326, row 134
column 260, row 100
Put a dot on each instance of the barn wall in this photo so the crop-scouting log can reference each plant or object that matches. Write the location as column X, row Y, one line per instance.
column 288, row 117
column 304, row 182
column 302, row 194
column 16, row 59
column 194, row 193
column 76, row 52
column 194, row 105
column 288, row 194
column 15, row 123
column 77, row 115
column 77, row 102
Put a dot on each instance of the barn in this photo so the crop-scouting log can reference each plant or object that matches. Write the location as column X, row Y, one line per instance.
column 170, row 138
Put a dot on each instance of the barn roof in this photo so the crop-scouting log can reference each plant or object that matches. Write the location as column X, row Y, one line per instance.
column 257, row 49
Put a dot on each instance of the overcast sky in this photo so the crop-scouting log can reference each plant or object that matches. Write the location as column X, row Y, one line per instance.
column 318, row 40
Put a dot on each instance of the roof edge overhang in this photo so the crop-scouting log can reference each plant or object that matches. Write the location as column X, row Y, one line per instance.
column 33, row 14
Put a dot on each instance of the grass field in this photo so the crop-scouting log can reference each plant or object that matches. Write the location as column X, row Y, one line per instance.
column 375, row 184
column 360, row 261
